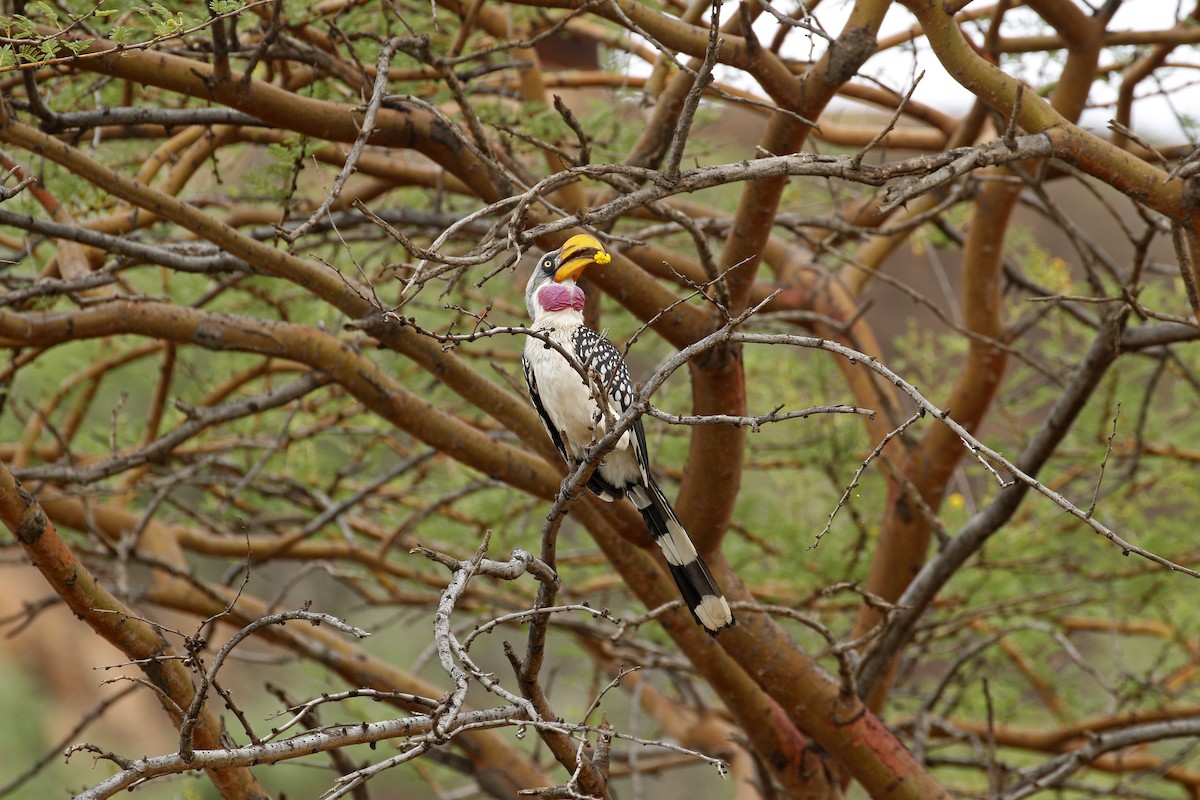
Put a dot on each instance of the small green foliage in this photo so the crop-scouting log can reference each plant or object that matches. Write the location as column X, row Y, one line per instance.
column 1039, row 264
column 290, row 152
column 45, row 8
column 77, row 46
column 121, row 34
column 226, row 6
column 19, row 26
column 163, row 21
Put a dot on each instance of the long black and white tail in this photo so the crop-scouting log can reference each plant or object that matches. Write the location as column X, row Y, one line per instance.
column 697, row 585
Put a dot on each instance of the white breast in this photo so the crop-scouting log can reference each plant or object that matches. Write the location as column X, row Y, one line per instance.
column 564, row 395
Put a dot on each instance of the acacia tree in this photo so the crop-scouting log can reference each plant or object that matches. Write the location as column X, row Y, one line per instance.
column 262, row 311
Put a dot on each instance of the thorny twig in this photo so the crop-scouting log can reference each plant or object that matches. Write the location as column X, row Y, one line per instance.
column 690, row 103
column 336, row 736
column 188, row 724
column 862, row 468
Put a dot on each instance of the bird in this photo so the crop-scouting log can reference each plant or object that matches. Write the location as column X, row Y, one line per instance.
column 575, row 414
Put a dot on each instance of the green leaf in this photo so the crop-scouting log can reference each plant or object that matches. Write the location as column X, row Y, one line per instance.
column 226, row 6
column 46, row 9
column 121, row 34
column 23, row 27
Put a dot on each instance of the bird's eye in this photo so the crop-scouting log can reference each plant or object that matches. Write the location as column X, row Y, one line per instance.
column 547, row 264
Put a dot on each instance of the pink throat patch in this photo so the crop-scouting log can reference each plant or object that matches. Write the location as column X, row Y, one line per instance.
column 557, row 297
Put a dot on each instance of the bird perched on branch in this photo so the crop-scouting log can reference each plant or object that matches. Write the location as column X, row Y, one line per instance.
column 576, row 413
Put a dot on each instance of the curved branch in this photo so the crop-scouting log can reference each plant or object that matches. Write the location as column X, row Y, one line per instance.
column 1122, row 170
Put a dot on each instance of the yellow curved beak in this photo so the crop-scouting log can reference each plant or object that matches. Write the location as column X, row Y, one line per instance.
column 579, row 252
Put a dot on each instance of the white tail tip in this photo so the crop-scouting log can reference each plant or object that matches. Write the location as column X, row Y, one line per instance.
column 714, row 613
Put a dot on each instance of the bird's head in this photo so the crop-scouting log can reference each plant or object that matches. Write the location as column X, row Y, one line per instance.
column 552, row 286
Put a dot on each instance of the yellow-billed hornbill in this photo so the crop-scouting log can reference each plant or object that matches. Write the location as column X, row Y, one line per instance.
column 571, row 412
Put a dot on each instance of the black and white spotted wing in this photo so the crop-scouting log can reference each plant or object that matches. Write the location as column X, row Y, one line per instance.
column 599, row 354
